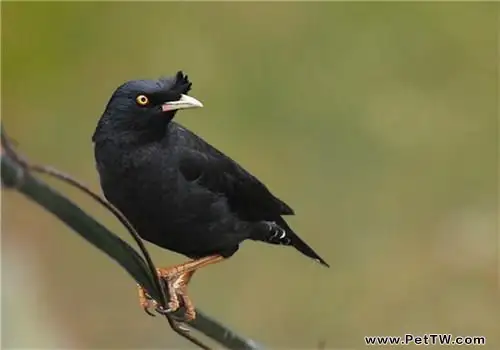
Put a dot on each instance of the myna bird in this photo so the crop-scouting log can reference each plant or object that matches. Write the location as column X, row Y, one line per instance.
column 178, row 191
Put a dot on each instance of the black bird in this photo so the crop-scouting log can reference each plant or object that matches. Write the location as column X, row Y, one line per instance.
column 178, row 191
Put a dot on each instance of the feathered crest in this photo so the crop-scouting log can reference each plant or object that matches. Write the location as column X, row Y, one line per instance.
column 178, row 83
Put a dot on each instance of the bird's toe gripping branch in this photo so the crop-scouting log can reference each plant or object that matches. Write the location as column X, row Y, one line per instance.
column 177, row 279
column 146, row 301
column 176, row 287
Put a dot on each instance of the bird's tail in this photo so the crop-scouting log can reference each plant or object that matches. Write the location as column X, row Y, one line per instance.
column 279, row 232
column 305, row 249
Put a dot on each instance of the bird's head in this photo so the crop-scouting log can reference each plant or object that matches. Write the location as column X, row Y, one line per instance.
column 145, row 105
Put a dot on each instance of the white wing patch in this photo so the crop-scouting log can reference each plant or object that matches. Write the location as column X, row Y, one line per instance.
column 278, row 234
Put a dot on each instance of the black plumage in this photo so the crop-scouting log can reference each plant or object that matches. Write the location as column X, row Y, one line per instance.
column 178, row 191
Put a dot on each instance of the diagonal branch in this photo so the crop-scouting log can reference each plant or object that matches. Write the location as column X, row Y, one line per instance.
column 16, row 174
column 149, row 262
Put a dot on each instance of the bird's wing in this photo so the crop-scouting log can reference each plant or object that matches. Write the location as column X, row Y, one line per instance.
column 210, row 168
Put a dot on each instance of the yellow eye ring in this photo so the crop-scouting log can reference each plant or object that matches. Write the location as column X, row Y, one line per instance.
column 142, row 100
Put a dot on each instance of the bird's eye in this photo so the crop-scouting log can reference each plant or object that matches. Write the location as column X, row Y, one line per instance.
column 142, row 100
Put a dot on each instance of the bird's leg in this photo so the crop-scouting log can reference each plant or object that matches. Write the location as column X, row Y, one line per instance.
column 177, row 270
column 177, row 278
column 181, row 283
column 170, row 281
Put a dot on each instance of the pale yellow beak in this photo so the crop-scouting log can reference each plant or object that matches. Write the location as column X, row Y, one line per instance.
column 184, row 102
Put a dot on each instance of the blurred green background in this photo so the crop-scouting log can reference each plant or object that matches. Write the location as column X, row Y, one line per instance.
column 376, row 122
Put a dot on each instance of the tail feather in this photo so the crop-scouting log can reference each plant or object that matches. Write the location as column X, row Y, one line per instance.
column 305, row 249
column 279, row 232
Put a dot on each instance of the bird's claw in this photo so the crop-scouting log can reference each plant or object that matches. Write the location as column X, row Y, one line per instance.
column 152, row 304
column 164, row 311
column 146, row 310
column 176, row 284
column 148, row 303
column 190, row 315
column 161, row 310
